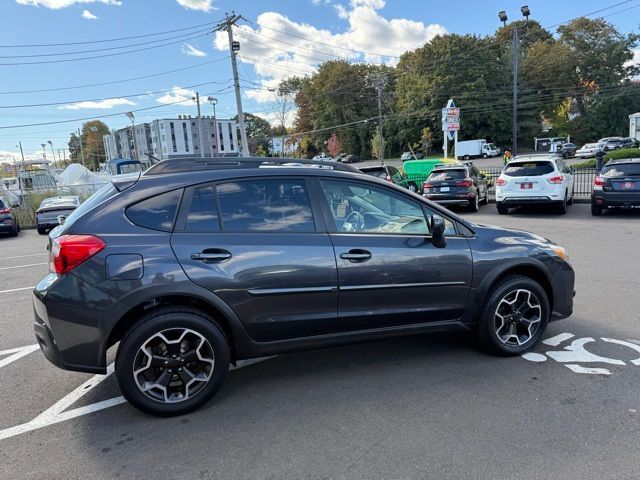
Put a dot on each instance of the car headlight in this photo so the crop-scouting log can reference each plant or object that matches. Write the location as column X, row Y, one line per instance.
column 560, row 252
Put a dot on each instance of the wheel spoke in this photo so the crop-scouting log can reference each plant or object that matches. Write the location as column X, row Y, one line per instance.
column 517, row 317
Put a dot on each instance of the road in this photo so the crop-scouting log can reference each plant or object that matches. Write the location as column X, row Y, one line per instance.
column 430, row 406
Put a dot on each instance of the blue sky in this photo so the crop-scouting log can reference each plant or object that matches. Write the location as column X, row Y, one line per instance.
column 334, row 28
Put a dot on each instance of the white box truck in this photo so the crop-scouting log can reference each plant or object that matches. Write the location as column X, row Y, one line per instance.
column 476, row 148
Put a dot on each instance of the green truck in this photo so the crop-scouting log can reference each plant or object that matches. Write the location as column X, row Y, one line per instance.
column 417, row 171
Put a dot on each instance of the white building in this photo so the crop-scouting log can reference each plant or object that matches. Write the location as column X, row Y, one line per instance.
column 634, row 125
column 173, row 137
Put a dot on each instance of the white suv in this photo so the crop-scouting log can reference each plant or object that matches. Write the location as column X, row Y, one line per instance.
column 534, row 180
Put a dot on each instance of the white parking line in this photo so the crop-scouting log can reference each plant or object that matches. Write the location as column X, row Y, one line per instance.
column 23, row 256
column 16, row 353
column 17, row 289
column 23, row 266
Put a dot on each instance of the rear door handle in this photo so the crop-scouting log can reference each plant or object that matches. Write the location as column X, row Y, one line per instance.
column 356, row 255
column 212, row 255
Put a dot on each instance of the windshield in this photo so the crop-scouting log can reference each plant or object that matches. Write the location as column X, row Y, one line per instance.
column 440, row 175
column 590, row 145
column 621, row 170
column 491, row 146
column 50, row 202
column 528, row 169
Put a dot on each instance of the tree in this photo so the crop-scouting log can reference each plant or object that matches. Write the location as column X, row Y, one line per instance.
column 258, row 131
column 375, row 145
column 426, row 140
column 92, row 144
column 333, row 145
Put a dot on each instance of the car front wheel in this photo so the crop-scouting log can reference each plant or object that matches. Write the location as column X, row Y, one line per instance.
column 514, row 316
column 172, row 362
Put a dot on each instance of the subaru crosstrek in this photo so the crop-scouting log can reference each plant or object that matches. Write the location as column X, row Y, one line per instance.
column 196, row 264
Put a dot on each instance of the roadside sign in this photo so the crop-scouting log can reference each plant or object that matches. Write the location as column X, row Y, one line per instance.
column 450, row 118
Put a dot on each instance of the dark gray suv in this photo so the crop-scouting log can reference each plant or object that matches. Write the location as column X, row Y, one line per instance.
column 196, row 264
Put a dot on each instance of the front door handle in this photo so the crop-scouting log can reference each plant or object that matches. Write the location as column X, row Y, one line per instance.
column 356, row 255
column 212, row 255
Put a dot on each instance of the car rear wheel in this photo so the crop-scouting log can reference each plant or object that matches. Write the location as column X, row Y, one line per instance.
column 474, row 205
column 172, row 362
column 514, row 316
column 412, row 187
column 485, row 200
column 562, row 207
column 14, row 232
column 596, row 210
column 502, row 210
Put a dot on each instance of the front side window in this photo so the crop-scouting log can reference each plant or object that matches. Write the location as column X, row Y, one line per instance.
column 265, row 205
column 357, row 207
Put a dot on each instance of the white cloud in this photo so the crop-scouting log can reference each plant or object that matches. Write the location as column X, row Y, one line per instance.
column 202, row 5
column 177, row 94
column 192, row 51
column 57, row 4
column 368, row 31
column 99, row 104
column 86, row 14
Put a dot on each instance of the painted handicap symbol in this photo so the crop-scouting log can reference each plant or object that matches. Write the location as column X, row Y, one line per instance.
column 575, row 353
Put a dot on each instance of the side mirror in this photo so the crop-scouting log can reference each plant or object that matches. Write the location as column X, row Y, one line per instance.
column 437, row 232
column 61, row 219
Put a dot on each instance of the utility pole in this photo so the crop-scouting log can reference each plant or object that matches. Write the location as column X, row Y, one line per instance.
column 213, row 102
column 200, row 126
column 379, row 85
column 514, row 113
column 234, row 47
column 21, row 151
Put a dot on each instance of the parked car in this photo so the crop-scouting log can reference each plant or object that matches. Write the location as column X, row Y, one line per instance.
column 628, row 142
column 535, row 180
column 390, row 174
column 418, row 171
column 322, row 156
column 52, row 209
column 212, row 264
column 589, row 150
column 8, row 220
column 611, row 143
column 409, row 156
column 339, row 157
column 350, row 159
column 459, row 185
column 567, row 150
column 616, row 186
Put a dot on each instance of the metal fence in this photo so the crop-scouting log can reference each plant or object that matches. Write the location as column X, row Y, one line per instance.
column 582, row 180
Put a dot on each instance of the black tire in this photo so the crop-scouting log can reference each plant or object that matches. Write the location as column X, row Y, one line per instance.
column 42, row 230
column 487, row 321
column 485, row 200
column 562, row 207
column 466, row 157
column 412, row 187
column 474, row 206
column 484, row 155
column 167, row 319
column 14, row 232
column 570, row 200
column 502, row 210
column 596, row 210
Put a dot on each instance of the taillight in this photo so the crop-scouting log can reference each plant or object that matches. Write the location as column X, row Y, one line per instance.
column 598, row 183
column 464, row 183
column 69, row 251
column 427, row 185
column 501, row 182
column 556, row 180
column 5, row 210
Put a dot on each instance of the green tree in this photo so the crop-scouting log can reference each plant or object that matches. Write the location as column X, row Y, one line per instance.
column 92, row 145
column 258, row 131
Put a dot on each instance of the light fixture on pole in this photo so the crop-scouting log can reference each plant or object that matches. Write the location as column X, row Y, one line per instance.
column 44, row 151
column 132, row 117
column 503, row 17
column 213, row 101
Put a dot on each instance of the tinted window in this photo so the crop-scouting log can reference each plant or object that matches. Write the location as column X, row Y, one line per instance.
column 157, row 213
column 393, row 171
column 376, row 172
column 265, row 205
column 528, row 169
column 440, row 175
column 621, row 170
column 203, row 214
column 364, row 208
column 97, row 198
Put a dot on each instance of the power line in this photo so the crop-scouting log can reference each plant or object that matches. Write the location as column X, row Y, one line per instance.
column 115, row 81
column 590, row 13
column 210, row 24
column 93, row 57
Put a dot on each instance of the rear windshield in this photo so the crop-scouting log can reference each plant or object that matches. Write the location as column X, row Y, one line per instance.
column 376, row 172
column 528, row 169
column 97, row 198
column 621, row 170
column 439, row 175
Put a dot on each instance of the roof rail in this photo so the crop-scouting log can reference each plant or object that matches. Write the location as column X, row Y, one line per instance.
column 179, row 165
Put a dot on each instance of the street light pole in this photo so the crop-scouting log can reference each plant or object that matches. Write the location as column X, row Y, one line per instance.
column 201, row 140
column 133, row 134
column 213, row 102
column 81, row 149
column 21, row 151
column 52, row 150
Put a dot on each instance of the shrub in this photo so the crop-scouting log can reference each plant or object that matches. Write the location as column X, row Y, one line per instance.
column 622, row 153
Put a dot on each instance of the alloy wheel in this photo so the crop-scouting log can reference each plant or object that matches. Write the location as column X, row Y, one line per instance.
column 517, row 317
column 173, row 365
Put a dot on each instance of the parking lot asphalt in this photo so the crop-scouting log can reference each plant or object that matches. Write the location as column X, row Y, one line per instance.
column 429, row 407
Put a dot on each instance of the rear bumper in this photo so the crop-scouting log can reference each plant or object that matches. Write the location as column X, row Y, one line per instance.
column 7, row 227
column 462, row 200
column 523, row 201
column 616, row 199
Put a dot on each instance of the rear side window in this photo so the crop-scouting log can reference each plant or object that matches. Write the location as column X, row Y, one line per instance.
column 440, row 175
column 376, row 172
column 203, row 213
column 528, row 169
column 156, row 213
column 621, row 170
column 265, row 205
